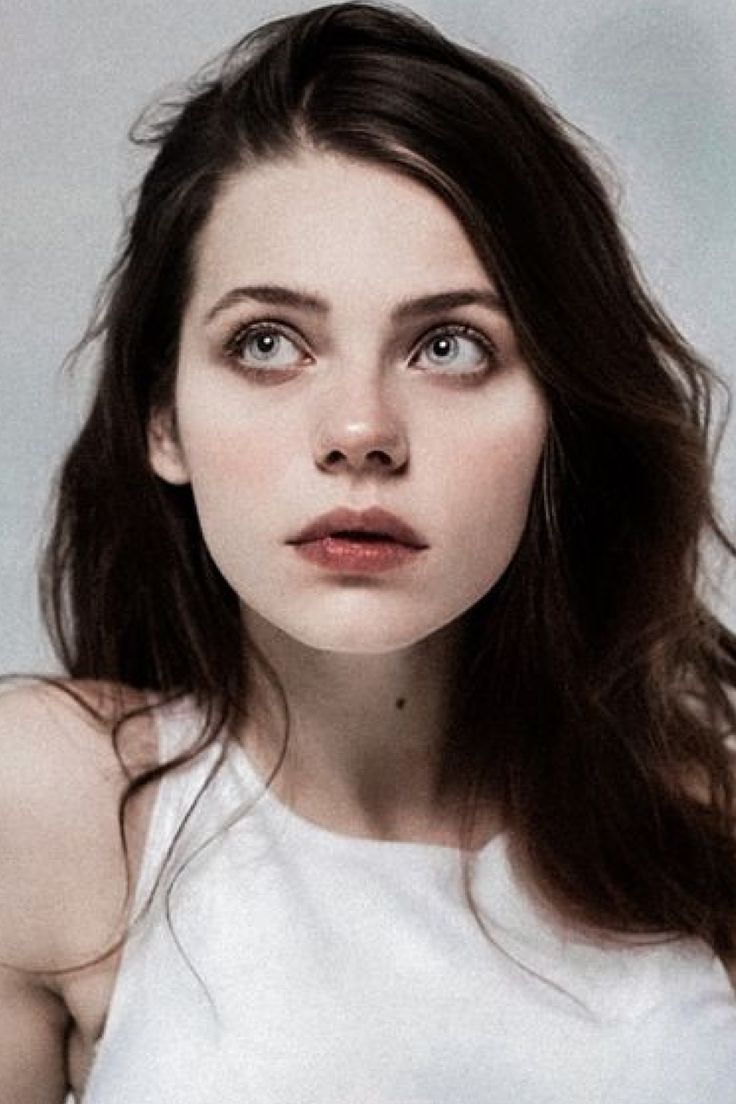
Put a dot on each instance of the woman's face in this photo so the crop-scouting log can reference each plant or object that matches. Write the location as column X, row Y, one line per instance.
column 358, row 402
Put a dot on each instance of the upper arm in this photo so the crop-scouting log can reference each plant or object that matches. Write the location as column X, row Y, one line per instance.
column 33, row 1022
column 33, row 1018
column 62, row 873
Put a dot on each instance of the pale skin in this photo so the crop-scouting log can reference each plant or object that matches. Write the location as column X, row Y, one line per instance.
column 359, row 409
column 364, row 410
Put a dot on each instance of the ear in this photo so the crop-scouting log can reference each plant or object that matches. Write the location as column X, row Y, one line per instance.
column 165, row 452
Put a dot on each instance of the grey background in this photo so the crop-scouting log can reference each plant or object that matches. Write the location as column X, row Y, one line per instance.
column 653, row 83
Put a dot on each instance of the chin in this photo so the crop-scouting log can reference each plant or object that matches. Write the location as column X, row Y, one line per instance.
column 357, row 640
column 357, row 632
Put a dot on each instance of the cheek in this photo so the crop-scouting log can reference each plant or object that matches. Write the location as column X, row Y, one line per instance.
column 237, row 458
column 237, row 468
column 493, row 477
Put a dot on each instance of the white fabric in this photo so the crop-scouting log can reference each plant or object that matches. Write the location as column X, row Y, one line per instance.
column 343, row 970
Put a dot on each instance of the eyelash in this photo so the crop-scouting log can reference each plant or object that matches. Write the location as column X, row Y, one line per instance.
column 233, row 347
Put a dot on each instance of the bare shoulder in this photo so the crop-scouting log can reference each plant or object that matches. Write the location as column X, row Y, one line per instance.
column 71, row 714
column 62, row 871
column 60, row 786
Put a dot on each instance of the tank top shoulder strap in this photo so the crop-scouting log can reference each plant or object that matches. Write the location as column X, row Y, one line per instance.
column 177, row 727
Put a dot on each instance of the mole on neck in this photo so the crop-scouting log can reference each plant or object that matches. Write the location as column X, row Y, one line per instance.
column 400, row 703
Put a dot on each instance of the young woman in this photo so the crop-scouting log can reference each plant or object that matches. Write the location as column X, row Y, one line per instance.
column 391, row 762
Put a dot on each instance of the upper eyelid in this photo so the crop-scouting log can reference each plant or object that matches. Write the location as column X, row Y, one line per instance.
column 240, row 330
column 256, row 323
column 466, row 329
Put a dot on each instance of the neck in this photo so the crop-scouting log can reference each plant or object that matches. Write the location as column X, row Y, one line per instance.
column 365, row 733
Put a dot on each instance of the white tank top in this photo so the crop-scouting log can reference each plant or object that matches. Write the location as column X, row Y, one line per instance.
column 344, row 970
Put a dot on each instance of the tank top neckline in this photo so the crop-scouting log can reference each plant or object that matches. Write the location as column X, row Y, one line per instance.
column 310, row 831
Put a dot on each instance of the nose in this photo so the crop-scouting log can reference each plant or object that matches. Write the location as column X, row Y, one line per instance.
column 358, row 431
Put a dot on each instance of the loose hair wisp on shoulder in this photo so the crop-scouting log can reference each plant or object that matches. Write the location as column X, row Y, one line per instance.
column 594, row 705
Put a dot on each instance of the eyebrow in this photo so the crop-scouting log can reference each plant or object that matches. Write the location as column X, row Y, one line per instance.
column 405, row 310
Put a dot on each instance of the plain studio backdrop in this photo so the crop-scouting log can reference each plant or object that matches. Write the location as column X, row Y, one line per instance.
column 653, row 83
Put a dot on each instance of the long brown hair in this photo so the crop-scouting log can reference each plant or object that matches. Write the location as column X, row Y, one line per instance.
column 593, row 705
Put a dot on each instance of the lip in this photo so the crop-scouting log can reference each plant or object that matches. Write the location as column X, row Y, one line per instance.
column 357, row 557
column 375, row 520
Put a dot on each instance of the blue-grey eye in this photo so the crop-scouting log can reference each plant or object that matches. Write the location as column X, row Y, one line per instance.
column 266, row 346
column 461, row 348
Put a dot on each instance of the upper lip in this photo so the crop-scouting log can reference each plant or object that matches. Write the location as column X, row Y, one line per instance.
column 374, row 520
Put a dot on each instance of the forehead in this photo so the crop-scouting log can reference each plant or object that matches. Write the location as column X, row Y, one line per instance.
column 324, row 220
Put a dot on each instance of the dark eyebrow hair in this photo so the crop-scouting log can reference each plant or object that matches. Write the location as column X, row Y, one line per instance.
column 407, row 309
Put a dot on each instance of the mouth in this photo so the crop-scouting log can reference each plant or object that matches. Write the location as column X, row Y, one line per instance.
column 371, row 526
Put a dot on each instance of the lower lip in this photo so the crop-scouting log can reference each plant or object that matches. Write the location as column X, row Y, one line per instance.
column 342, row 554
